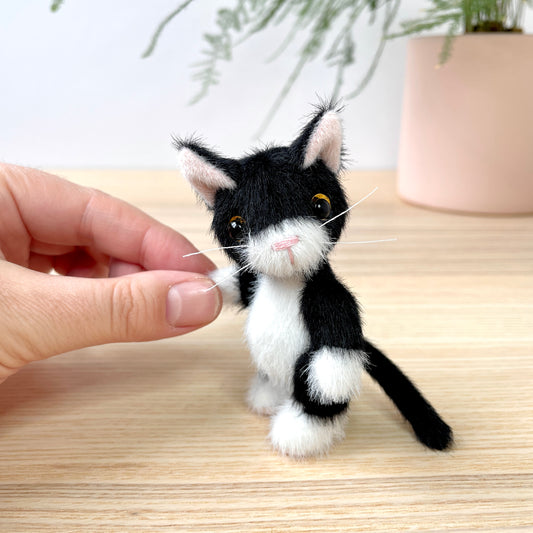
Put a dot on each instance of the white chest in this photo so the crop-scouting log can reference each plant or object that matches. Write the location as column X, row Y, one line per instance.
column 275, row 329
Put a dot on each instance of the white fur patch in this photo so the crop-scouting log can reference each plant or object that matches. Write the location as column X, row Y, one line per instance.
column 228, row 283
column 275, row 329
column 205, row 178
column 334, row 374
column 325, row 142
column 303, row 258
column 264, row 397
column 299, row 435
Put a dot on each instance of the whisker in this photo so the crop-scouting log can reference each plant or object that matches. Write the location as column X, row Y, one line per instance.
column 366, row 242
column 351, row 207
column 213, row 249
column 227, row 277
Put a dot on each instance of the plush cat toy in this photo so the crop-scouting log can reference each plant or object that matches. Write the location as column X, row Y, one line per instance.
column 277, row 214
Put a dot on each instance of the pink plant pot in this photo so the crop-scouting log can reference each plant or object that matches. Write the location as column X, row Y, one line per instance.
column 467, row 127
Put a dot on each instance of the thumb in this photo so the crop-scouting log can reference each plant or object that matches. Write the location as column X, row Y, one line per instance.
column 44, row 315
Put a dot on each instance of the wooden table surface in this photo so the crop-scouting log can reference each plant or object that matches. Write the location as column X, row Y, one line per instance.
column 156, row 436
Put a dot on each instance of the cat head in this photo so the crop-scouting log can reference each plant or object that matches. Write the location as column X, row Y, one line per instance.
column 278, row 210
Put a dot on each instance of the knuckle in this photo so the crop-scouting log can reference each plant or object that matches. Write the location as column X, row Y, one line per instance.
column 128, row 304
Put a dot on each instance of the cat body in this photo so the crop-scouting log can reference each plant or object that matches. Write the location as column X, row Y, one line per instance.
column 278, row 213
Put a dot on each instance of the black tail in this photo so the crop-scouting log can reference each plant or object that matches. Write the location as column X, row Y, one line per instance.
column 428, row 426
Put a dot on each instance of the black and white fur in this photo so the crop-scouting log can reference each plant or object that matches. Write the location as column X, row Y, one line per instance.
column 304, row 328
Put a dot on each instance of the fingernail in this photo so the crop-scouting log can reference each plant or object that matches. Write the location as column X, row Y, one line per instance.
column 191, row 303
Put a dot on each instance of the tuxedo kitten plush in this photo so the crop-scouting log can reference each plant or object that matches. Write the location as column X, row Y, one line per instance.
column 278, row 213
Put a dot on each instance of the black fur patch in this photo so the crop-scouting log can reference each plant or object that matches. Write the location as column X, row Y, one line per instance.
column 246, row 287
column 331, row 313
column 272, row 188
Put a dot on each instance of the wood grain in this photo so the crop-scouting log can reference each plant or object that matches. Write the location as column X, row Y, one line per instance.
column 156, row 436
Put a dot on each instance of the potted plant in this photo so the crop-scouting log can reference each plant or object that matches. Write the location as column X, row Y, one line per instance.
column 466, row 140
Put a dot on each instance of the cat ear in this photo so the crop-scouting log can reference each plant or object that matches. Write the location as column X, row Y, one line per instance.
column 203, row 170
column 321, row 139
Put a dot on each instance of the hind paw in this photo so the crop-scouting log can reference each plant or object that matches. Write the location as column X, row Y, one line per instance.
column 264, row 397
column 298, row 435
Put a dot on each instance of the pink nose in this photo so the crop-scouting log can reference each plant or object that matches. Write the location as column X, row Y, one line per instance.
column 289, row 242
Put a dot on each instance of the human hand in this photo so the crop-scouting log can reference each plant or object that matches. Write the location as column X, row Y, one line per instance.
column 145, row 289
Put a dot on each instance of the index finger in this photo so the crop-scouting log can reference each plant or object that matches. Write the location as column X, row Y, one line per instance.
column 57, row 211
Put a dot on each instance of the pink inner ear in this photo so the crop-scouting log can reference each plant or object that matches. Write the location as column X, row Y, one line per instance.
column 325, row 143
column 205, row 178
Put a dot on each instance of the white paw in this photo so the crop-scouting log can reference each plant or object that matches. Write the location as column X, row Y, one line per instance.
column 228, row 283
column 264, row 397
column 299, row 435
column 334, row 374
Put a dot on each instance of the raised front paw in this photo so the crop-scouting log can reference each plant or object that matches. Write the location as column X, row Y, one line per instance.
column 299, row 435
column 264, row 397
column 228, row 283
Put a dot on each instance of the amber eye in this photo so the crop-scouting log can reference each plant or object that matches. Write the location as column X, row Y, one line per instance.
column 237, row 228
column 321, row 206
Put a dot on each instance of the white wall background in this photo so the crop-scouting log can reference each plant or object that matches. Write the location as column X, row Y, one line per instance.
column 74, row 91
